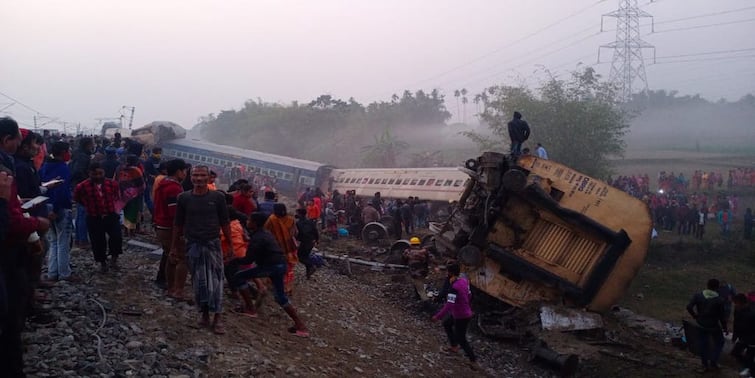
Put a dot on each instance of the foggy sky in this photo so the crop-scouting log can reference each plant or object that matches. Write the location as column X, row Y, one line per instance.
column 177, row 60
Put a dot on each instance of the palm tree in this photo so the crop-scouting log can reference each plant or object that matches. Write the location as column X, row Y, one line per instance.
column 457, row 94
column 464, row 102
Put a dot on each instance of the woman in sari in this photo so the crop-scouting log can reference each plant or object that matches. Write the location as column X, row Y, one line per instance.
column 283, row 228
column 131, row 183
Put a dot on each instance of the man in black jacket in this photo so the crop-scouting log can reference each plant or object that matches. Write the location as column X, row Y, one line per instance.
column 519, row 132
column 743, row 335
column 707, row 307
column 264, row 251
column 308, row 236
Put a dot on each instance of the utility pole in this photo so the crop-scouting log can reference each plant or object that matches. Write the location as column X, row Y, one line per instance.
column 628, row 65
column 131, row 117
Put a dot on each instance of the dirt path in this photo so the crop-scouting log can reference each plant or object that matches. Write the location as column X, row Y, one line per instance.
column 364, row 325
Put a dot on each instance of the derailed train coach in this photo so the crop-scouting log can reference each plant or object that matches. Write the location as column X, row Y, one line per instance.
column 439, row 185
column 536, row 231
column 431, row 184
column 291, row 175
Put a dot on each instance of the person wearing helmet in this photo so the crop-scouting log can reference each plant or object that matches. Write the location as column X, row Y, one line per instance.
column 418, row 259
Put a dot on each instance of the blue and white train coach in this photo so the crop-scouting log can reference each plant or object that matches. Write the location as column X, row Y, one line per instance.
column 291, row 174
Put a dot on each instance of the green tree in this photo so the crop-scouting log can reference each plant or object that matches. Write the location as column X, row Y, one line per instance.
column 384, row 152
column 426, row 159
column 579, row 120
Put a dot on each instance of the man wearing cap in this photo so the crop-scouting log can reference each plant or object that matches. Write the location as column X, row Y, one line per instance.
column 418, row 259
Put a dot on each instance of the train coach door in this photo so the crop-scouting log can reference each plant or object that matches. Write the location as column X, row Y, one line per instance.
column 296, row 183
column 323, row 178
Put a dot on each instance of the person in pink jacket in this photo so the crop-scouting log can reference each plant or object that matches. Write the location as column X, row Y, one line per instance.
column 459, row 307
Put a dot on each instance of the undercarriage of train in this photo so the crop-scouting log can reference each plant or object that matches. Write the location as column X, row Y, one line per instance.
column 544, row 241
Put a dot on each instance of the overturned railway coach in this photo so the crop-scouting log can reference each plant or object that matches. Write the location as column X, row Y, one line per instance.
column 536, row 231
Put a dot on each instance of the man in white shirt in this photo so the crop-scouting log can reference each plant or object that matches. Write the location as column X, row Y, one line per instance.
column 541, row 152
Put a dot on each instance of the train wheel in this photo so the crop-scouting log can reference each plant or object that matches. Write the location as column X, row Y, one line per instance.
column 374, row 232
column 396, row 254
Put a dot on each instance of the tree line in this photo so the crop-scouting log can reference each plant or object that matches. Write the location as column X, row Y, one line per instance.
column 578, row 119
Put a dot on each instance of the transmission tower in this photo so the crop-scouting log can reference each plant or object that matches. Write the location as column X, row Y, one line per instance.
column 628, row 66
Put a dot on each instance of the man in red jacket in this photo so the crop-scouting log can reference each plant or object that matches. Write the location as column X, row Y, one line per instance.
column 173, row 270
column 242, row 200
column 166, row 192
column 100, row 197
column 13, row 283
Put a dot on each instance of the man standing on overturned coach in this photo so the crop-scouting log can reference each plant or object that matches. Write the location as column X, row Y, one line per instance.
column 519, row 132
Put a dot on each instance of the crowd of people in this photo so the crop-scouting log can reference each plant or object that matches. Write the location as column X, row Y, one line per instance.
column 58, row 191
column 687, row 207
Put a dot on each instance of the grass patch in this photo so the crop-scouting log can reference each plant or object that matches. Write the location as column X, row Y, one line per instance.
column 675, row 270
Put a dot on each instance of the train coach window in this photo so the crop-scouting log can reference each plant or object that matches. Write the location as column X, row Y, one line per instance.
column 448, row 183
column 364, row 180
column 438, row 182
column 430, row 182
column 406, row 181
column 383, row 181
column 458, row 182
column 391, row 181
column 422, row 182
column 216, row 161
column 372, row 181
column 414, row 182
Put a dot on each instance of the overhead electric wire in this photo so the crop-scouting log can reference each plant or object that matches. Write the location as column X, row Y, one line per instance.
column 607, row 30
column 704, row 15
column 704, row 26
column 491, row 53
column 21, row 103
column 708, row 59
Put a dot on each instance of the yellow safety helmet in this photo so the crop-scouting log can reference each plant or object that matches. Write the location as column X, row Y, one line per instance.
column 415, row 241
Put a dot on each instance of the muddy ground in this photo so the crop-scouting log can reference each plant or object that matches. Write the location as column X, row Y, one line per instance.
column 366, row 323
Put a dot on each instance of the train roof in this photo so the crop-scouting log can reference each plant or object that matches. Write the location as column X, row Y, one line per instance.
column 397, row 170
column 250, row 154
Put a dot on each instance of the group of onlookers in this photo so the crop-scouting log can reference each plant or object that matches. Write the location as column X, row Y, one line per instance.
column 712, row 308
